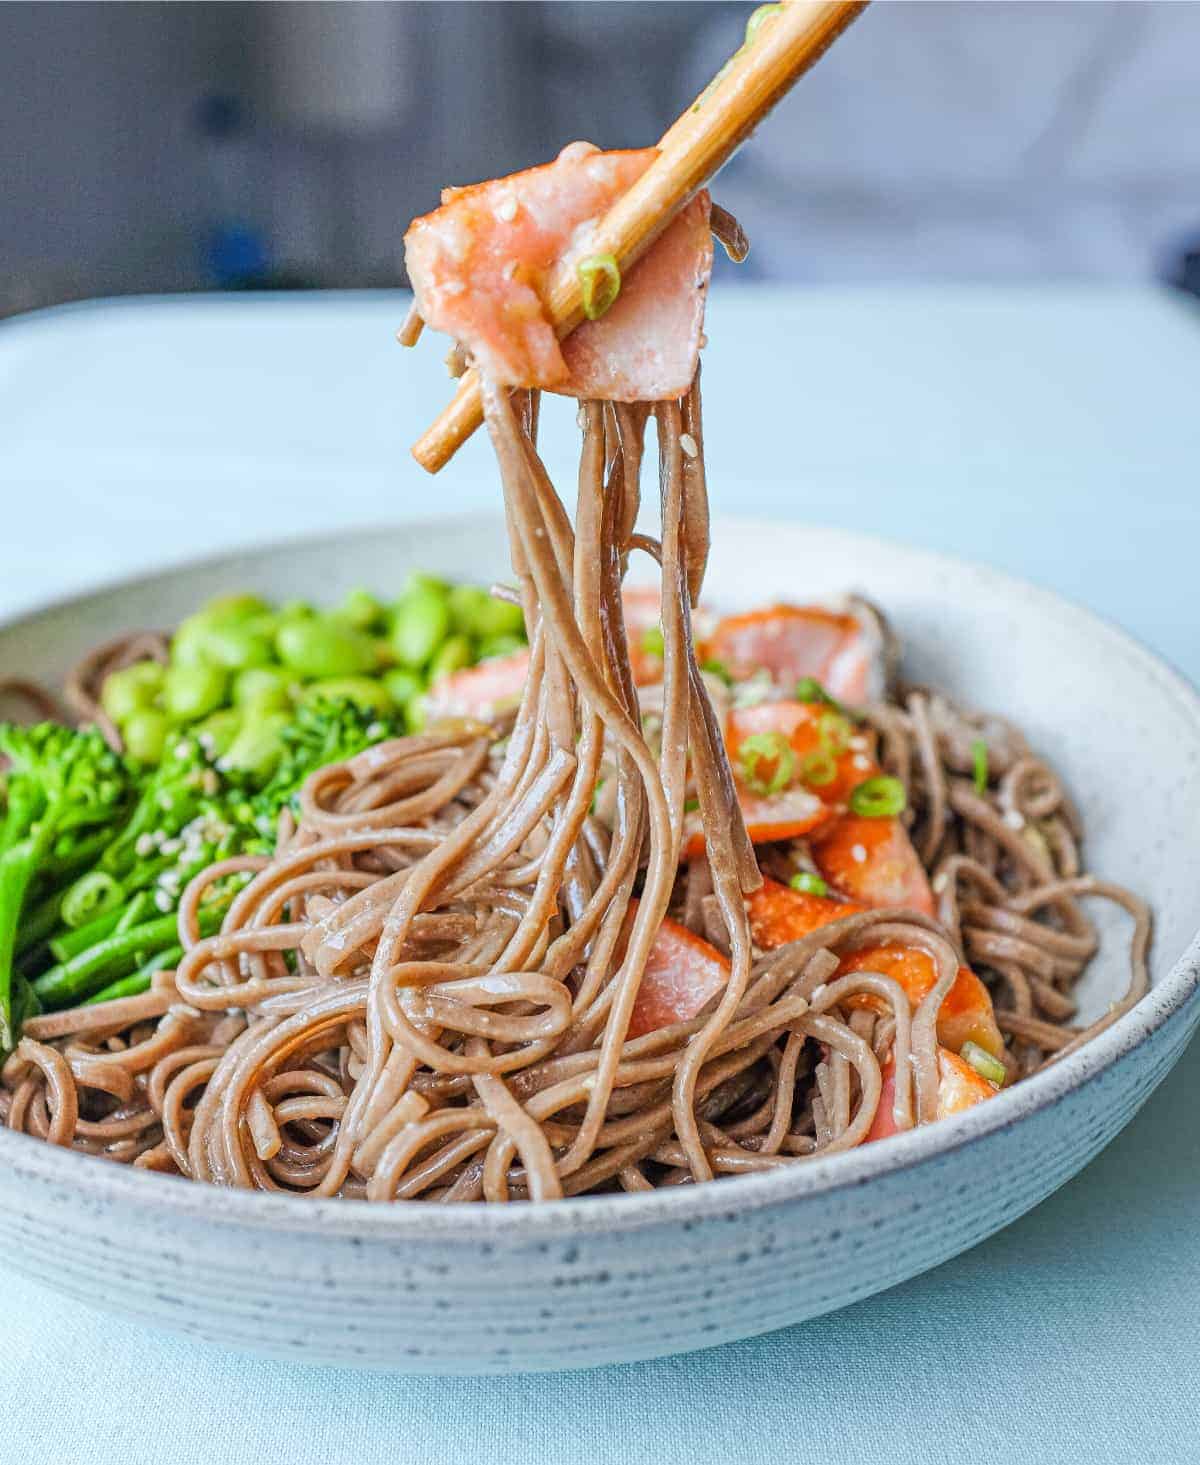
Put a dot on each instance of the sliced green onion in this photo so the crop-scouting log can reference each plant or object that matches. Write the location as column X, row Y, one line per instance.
column 808, row 689
column 718, row 669
column 979, row 763
column 691, row 806
column 652, row 641
column 755, row 23
column 984, row 1064
column 766, row 748
column 879, row 798
column 600, row 281
column 819, row 768
column 808, row 883
column 92, row 895
column 835, row 732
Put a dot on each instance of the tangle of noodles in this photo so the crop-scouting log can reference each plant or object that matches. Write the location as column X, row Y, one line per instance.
column 427, row 991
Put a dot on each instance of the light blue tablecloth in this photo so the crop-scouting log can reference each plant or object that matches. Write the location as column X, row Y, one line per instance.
column 1054, row 433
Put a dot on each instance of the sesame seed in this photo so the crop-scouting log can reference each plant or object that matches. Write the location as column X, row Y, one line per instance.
column 817, row 993
column 453, row 287
column 162, row 901
column 688, row 443
column 1013, row 819
column 940, row 882
column 506, row 209
column 860, row 760
column 859, row 854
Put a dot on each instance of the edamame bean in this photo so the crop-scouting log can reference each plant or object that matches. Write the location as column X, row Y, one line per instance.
column 420, row 623
column 235, row 605
column 192, row 690
column 480, row 614
column 218, row 731
column 145, row 734
column 262, row 687
column 258, row 746
column 361, row 610
column 324, row 647
column 452, row 655
column 493, row 646
column 364, row 692
column 235, row 646
column 133, row 687
column 402, row 685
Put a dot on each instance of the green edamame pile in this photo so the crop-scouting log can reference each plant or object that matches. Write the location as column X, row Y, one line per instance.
column 239, row 667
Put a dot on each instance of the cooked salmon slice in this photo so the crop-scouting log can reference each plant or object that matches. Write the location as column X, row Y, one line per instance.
column 843, row 650
column 480, row 266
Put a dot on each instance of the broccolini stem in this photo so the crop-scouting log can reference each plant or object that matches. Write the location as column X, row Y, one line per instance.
column 137, row 982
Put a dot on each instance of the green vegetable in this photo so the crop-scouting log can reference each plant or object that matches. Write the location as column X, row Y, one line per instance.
column 718, row 669
column 364, row 692
column 139, row 981
column 194, row 689
column 835, row 732
column 145, row 734
column 452, row 655
column 420, row 623
column 71, row 942
column 691, row 806
column 326, row 647
column 808, row 689
column 235, row 647
column 477, row 613
column 94, row 894
column 599, row 282
column 258, row 747
column 652, row 643
column 984, row 1064
column 755, row 23
column 881, row 797
column 767, row 763
column 810, row 884
column 361, row 610
column 263, row 687
column 819, row 768
column 495, row 646
column 60, row 786
column 219, row 729
column 979, row 763
column 76, row 979
column 129, row 690
column 402, row 685
column 316, row 735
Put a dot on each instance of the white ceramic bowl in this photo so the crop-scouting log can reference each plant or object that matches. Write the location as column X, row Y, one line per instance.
column 428, row 1288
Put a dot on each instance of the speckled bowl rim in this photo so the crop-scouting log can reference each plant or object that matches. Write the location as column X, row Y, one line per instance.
column 31, row 1159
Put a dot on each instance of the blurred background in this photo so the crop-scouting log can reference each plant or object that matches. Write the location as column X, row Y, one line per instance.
column 166, row 147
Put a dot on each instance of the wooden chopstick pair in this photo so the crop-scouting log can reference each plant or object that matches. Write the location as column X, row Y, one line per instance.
column 784, row 45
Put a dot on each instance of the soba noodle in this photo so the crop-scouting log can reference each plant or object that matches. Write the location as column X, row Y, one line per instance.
column 426, row 993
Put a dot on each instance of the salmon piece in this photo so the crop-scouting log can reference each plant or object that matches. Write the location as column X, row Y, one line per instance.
column 842, row 652
column 779, row 914
column 959, row 1088
column 480, row 266
column 642, row 606
column 684, row 973
column 482, row 691
column 873, row 861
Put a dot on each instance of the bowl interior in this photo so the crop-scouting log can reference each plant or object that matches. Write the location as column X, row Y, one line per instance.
column 1119, row 725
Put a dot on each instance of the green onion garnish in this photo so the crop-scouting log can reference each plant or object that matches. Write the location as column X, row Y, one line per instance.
column 835, row 732
column 808, row 883
column 718, row 669
column 819, row 768
column 808, row 689
column 979, row 762
column 882, row 797
column 984, row 1064
column 600, row 282
column 770, row 748
column 652, row 641
column 755, row 23
column 95, row 894
column 691, row 806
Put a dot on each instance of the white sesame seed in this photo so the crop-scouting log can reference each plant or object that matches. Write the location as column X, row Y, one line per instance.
column 143, row 845
column 940, row 882
column 162, row 901
column 817, row 993
column 860, row 760
column 506, row 209
column 688, row 443
column 859, row 854
column 453, row 287
column 1013, row 819
column 859, row 743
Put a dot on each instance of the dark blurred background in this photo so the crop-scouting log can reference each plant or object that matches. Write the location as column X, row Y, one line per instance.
column 163, row 147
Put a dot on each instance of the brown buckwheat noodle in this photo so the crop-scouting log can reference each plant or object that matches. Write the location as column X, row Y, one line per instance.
column 426, row 993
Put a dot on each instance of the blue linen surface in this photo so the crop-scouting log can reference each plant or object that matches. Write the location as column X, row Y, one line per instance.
column 1050, row 432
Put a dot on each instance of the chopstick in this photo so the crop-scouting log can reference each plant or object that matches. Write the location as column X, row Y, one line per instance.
column 696, row 145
